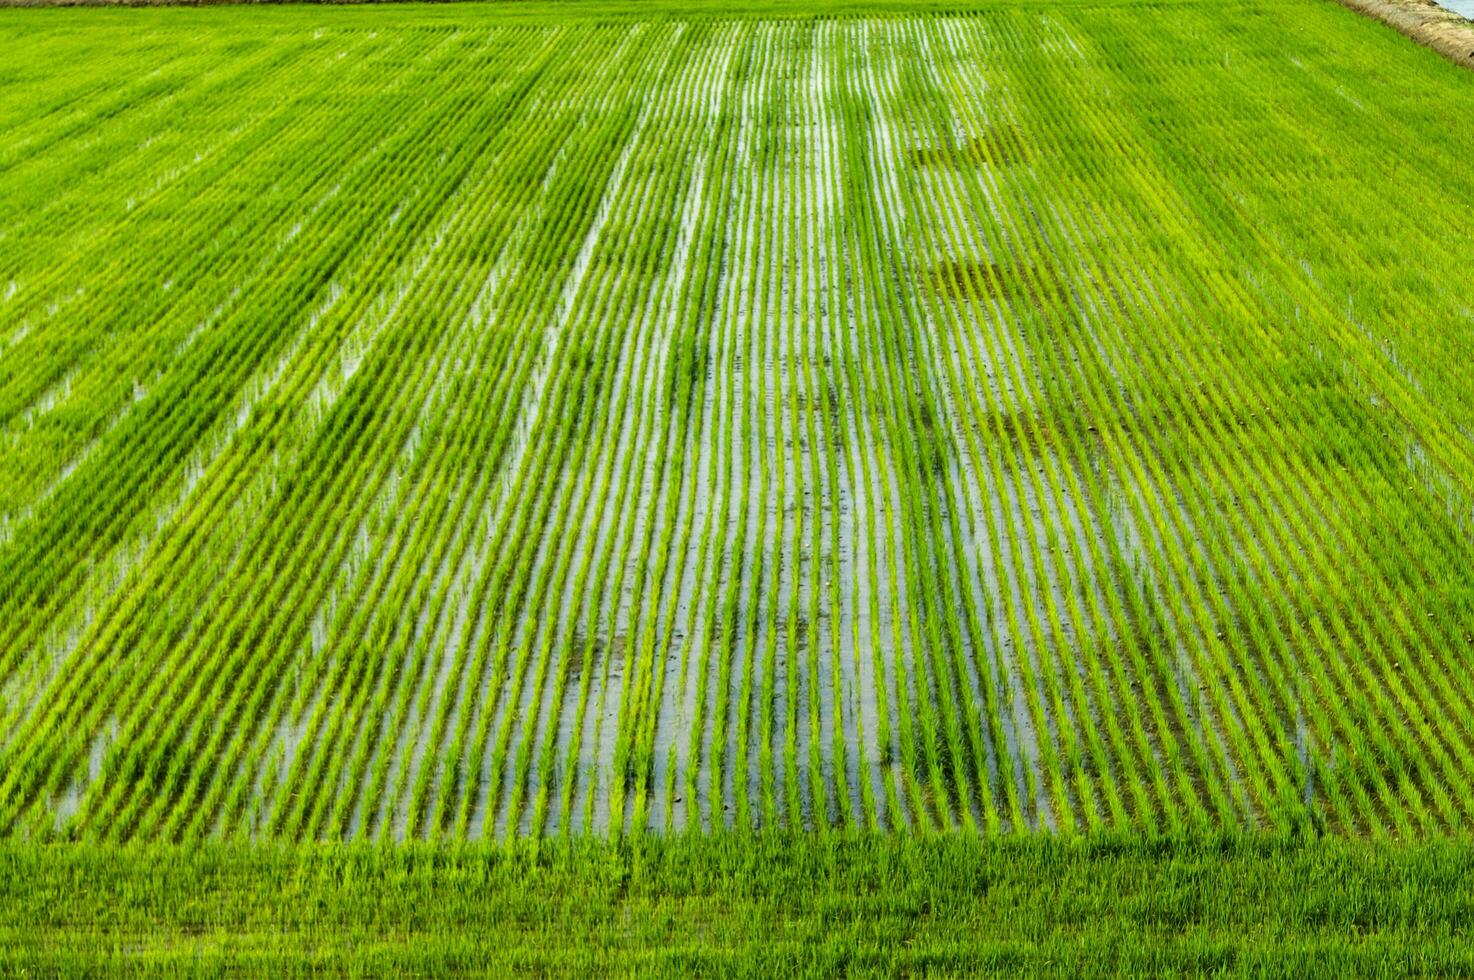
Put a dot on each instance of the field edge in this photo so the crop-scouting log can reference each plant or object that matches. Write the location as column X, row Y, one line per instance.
column 1425, row 23
column 775, row 904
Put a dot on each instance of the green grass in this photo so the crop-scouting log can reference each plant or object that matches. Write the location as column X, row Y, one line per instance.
column 752, row 906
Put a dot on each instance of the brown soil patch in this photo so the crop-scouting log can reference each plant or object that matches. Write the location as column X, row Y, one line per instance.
column 1425, row 22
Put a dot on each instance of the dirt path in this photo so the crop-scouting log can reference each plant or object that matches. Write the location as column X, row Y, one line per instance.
column 1425, row 22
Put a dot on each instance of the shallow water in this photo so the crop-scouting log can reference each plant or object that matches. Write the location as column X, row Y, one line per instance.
column 1465, row 7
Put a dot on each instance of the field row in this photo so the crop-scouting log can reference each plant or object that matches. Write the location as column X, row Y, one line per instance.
column 777, row 904
column 415, row 427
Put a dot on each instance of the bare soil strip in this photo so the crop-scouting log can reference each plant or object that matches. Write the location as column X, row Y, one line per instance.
column 1425, row 22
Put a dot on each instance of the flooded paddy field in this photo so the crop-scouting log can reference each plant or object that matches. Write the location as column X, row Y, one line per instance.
column 486, row 423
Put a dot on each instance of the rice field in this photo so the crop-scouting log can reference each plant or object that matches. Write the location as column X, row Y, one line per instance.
column 499, row 422
column 811, row 905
